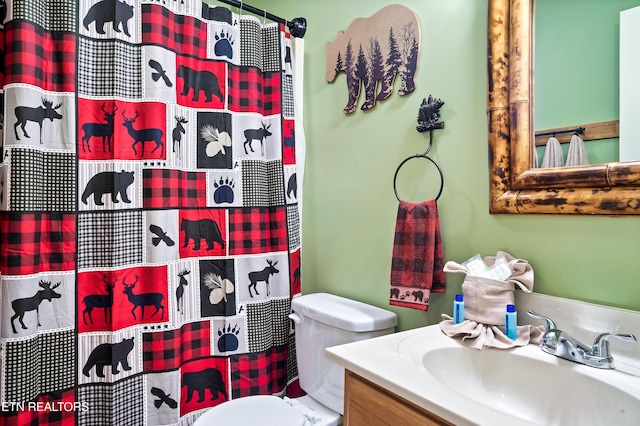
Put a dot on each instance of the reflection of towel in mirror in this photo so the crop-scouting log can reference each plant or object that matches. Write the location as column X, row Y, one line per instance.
column 552, row 154
column 418, row 260
column 577, row 154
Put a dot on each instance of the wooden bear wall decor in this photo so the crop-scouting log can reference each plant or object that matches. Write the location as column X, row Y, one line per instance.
column 373, row 52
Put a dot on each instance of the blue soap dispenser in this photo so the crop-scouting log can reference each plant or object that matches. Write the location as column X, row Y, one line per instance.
column 458, row 309
column 510, row 322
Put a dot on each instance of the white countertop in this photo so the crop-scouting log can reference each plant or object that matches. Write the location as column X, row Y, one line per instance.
column 378, row 361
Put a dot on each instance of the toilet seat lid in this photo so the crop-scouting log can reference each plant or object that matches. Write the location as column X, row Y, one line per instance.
column 253, row 411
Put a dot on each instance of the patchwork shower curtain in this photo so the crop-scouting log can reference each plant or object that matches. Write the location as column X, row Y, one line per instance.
column 149, row 223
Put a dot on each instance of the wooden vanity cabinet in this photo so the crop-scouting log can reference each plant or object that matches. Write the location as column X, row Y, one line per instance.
column 367, row 404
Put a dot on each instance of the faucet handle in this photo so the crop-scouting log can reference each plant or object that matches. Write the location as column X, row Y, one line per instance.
column 601, row 343
column 550, row 324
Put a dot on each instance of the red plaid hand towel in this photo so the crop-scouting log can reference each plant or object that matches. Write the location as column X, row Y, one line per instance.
column 418, row 260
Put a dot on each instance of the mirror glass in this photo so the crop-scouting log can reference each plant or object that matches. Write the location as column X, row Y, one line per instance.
column 577, row 75
column 603, row 188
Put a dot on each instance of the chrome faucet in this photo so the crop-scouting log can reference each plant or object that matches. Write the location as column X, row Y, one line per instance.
column 561, row 344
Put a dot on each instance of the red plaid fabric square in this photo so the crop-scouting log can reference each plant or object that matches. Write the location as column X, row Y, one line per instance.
column 53, row 409
column 167, row 350
column 259, row 373
column 257, row 230
column 37, row 242
column 170, row 188
column 39, row 57
column 250, row 90
column 184, row 34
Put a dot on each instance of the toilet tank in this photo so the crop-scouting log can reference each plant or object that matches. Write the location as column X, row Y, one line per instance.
column 324, row 320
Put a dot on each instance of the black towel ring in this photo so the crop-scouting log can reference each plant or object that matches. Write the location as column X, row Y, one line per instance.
column 428, row 121
column 395, row 176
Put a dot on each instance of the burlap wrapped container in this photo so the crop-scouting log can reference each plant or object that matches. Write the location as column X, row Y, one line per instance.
column 485, row 299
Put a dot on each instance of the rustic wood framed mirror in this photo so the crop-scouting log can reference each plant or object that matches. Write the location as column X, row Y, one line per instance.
column 516, row 187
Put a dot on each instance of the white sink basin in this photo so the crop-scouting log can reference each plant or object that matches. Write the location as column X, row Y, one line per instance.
column 525, row 382
column 521, row 386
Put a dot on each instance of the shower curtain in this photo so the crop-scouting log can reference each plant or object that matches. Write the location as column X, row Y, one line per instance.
column 149, row 222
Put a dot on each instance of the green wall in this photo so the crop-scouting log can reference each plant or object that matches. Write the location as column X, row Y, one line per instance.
column 349, row 204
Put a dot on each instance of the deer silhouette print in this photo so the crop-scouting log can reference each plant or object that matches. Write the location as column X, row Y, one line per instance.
column 104, row 130
column 256, row 134
column 257, row 276
column 177, row 133
column 22, row 306
column 37, row 115
column 142, row 135
column 180, row 290
column 104, row 301
column 143, row 299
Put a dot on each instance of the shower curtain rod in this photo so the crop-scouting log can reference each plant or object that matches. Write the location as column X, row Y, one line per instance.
column 297, row 26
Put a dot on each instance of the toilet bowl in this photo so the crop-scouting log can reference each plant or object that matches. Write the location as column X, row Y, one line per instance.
column 321, row 320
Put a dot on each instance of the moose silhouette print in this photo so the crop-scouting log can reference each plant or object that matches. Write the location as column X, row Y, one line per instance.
column 25, row 114
column 27, row 304
column 143, row 299
column 256, row 134
column 263, row 275
column 103, row 130
column 177, row 133
column 103, row 301
column 180, row 289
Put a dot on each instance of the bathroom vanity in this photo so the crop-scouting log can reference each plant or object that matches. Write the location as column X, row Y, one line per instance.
column 368, row 404
column 423, row 377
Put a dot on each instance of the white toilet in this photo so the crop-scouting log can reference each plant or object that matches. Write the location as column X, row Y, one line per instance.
column 321, row 320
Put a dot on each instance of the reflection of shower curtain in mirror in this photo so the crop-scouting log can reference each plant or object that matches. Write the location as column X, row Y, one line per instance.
column 149, row 225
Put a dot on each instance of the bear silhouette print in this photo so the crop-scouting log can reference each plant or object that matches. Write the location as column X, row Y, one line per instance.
column 109, row 353
column 199, row 81
column 105, row 11
column 196, row 230
column 200, row 381
column 113, row 183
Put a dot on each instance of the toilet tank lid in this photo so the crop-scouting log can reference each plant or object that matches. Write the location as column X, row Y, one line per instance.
column 343, row 313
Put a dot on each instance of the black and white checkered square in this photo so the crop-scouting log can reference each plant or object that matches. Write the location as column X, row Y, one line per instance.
column 292, row 363
column 52, row 15
column 57, row 364
column 21, row 371
column 110, row 239
column 288, row 104
column 42, row 180
column 262, row 183
column 293, row 226
column 128, row 401
column 268, row 324
column 271, row 48
column 250, row 42
column 120, row 403
column 109, row 68
column 276, row 183
column 43, row 363
column 99, row 399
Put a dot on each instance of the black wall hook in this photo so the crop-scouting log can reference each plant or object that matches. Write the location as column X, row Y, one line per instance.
column 428, row 120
